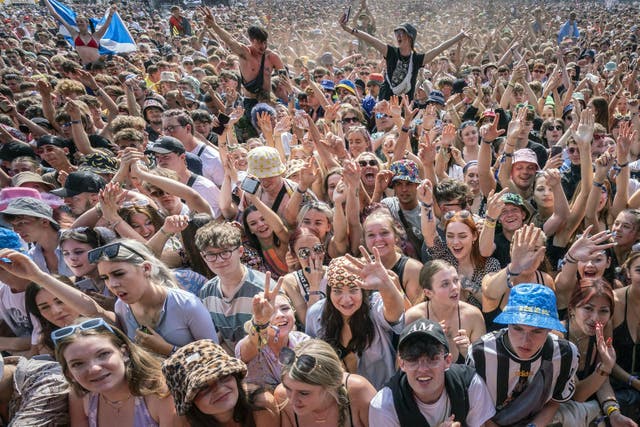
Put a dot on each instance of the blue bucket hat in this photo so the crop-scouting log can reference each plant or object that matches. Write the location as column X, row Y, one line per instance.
column 9, row 239
column 531, row 304
column 328, row 85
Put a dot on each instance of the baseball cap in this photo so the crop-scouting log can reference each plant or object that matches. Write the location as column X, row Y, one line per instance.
column 375, row 78
column 166, row 145
column 423, row 329
column 348, row 85
column 80, row 181
column 531, row 304
column 436, row 96
column 328, row 85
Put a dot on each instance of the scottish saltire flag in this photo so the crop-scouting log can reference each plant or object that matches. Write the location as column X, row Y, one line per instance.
column 117, row 39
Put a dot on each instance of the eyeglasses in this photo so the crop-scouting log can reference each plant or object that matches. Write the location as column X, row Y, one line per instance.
column 365, row 163
column 304, row 363
column 426, row 361
column 555, row 127
column 599, row 135
column 135, row 204
column 303, row 253
column 539, row 70
column 213, row 257
column 59, row 334
column 573, row 150
column 463, row 214
column 381, row 116
column 66, row 125
column 171, row 128
column 110, row 251
column 350, row 120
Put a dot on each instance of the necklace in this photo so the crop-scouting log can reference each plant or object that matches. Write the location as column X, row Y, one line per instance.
column 116, row 404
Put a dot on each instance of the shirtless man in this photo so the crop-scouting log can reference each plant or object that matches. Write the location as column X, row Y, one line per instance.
column 256, row 61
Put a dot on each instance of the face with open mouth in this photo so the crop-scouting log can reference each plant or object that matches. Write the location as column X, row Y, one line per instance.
column 460, row 239
column 593, row 312
column 74, row 254
column 522, row 173
column 125, row 280
column 445, row 287
column 218, row 397
column 512, row 217
column 346, row 299
column 368, row 173
column 425, row 375
column 283, row 318
column 626, row 229
column 142, row 225
column 595, row 268
column 258, row 226
column 95, row 363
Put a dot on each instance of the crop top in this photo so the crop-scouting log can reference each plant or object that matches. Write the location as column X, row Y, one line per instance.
column 92, row 42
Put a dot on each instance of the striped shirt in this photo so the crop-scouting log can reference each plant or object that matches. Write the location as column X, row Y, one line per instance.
column 501, row 369
column 230, row 314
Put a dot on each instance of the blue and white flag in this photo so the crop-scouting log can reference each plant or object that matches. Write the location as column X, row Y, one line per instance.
column 116, row 39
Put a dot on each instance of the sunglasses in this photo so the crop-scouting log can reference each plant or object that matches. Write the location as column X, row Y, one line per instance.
column 381, row 116
column 157, row 193
column 136, row 203
column 305, row 363
column 365, row 163
column 573, row 150
column 539, row 71
column 110, row 251
column 59, row 334
column 303, row 253
column 350, row 120
column 463, row 214
column 555, row 127
column 599, row 135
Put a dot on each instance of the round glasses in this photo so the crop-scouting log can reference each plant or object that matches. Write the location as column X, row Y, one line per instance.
column 223, row 255
column 304, row 253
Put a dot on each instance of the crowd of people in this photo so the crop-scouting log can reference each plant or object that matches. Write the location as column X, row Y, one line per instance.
column 300, row 213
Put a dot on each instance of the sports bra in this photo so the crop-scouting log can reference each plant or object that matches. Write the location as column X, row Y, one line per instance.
column 627, row 352
column 346, row 380
column 141, row 415
column 255, row 85
column 92, row 42
column 461, row 359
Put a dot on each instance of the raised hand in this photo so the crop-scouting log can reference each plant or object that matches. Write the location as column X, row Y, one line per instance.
column 495, row 204
column 490, row 132
column 584, row 133
column 516, row 124
column 174, row 224
column 523, row 249
column 351, row 174
column 588, row 247
column 552, row 176
column 448, row 135
column 605, row 349
column 263, row 304
column 425, row 192
column 383, row 179
column 625, row 138
column 373, row 273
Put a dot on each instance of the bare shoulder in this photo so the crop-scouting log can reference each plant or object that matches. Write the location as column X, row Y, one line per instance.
column 269, row 415
column 416, row 312
column 469, row 310
column 360, row 389
column 161, row 408
column 414, row 265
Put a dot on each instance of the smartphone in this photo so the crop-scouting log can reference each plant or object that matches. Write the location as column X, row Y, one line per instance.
column 555, row 150
column 250, row 185
column 223, row 119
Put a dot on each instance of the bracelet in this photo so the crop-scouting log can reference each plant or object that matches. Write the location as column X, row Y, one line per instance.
column 623, row 165
column 570, row 259
column 510, row 84
column 601, row 371
column 631, row 379
column 173, row 349
column 113, row 225
column 258, row 327
column 165, row 233
column 489, row 224
column 599, row 185
column 611, row 409
column 405, row 129
column 354, row 30
column 511, row 273
column 485, row 141
column 611, row 399
column 488, row 218
column 322, row 294
column 75, row 122
column 425, row 205
column 301, row 192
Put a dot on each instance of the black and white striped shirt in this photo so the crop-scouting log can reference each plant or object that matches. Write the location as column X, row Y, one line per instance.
column 501, row 369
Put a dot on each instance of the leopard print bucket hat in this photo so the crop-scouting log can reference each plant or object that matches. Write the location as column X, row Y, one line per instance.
column 194, row 366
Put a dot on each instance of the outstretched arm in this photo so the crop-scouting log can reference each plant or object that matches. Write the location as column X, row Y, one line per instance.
column 69, row 28
column 236, row 47
column 429, row 56
column 378, row 44
column 100, row 33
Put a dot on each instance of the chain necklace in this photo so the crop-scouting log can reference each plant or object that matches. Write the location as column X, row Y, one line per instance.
column 116, row 404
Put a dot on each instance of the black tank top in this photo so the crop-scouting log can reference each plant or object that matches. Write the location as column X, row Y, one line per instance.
column 398, row 268
column 461, row 359
column 627, row 352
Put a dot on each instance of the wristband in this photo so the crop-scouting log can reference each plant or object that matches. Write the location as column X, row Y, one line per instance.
column 301, row 192
column 611, row 399
column 165, row 233
column 488, row 218
column 322, row 294
column 489, row 224
column 405, row 129
column 75, row 122
column 611, row 409
column 599, row 185
column 623, row 165
column 258, row 327
column 631, row 379
column 570, row 259
column 425, row 205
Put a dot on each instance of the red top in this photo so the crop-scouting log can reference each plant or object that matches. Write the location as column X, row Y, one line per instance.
column 92, row 43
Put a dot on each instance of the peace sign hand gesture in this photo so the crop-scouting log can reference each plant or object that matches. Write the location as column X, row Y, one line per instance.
column 264, row 302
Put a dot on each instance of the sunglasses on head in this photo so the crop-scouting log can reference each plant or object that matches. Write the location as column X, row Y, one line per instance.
column 529, row 107
column 135, row 203
column 305, row 363
column 365, row 163
column 463, row 214
column 87, row 325
column 303, row 253
column 110, row 251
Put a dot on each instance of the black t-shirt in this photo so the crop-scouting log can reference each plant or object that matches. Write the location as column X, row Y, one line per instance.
column 502, row 252
column 397, row 67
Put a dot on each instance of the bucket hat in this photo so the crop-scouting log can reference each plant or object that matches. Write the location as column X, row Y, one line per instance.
column 265, row 162
column 531, row 304
column 195, row 365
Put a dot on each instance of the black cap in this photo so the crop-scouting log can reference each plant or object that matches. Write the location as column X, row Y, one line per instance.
column 166, row 145
column 14, row 149
column 459, row 85
column 81, row 181
column 409, row 29
column 424, row 328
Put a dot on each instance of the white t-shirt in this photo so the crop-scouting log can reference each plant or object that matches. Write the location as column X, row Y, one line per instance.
column 382, row 412
column 14, row 313
column 211, row 164
column 210, row 192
